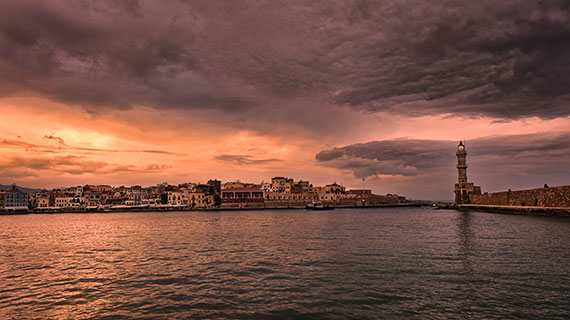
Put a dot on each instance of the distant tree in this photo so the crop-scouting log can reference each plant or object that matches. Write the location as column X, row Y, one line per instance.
column 545, row 185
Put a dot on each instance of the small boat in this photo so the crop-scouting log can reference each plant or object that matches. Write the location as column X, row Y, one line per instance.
column 318, row 206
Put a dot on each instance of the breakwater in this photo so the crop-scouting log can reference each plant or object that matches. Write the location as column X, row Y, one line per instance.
column 523, row 210
column 540, row 197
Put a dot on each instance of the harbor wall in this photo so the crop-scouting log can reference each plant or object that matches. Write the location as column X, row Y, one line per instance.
column 542, row 197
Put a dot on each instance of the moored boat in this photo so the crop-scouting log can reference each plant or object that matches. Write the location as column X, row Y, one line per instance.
column 318, row 206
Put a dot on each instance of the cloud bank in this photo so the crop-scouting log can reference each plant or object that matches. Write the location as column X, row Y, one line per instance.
column 21, row 167
column 506, row 59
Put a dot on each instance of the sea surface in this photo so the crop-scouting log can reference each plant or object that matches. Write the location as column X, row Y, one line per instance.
column 395, row 263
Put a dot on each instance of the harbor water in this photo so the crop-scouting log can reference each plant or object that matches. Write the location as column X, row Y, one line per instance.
column 403, row 263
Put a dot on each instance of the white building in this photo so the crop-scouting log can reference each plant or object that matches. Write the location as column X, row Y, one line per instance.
column 69, row 202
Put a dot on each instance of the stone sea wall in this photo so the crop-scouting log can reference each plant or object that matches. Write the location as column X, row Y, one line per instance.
column 542, row 197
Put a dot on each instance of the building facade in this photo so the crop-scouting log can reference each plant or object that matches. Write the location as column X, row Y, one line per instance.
column 281, row 185
column 266, row 186
column 216, row 186
column 93, row 200
column 243, row 196
column 42, row 201
column 16, row 198
column 69, row 202
column 177, row 198
column 335, row 188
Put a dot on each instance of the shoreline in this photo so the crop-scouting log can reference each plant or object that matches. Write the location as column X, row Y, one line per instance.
column 172, row 209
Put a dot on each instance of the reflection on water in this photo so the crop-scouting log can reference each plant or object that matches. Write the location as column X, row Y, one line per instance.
column 465, row 239
column 366, row 263
column 467, row 286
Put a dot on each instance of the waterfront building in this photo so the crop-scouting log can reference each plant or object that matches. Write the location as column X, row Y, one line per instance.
column 335, row 188
column 317, row 189
column 134, row 196
column 42, row 201
column 16, row 198
column 116, row 199
column 204, row 188
column 240, row 196
column 302, row 186
column 93, row 199
column 463, row 189
column 54, row 194
column 176, row 198
column 2, row 198
column 296, row 188
column 327, row 196
column 284, row 197
column 266, row 186
column 69, row 202
column 152, row 199
column 216, row 186
column 138, row 195
column 197, row 199
column 105, row 196
column 281, row 184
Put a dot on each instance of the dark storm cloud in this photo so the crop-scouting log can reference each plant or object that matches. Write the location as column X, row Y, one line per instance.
column 517, row 159
column 501, row 59
column 504, row 59
column 101, row 55
column 393, row 157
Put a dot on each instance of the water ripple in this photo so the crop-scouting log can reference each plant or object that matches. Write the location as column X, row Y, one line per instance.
column 288, row 264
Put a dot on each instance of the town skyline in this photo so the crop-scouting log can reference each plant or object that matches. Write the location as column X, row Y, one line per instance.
column 280, row 192
column 137, row 93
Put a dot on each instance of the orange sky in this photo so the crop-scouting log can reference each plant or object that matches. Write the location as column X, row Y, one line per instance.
column 49, row 144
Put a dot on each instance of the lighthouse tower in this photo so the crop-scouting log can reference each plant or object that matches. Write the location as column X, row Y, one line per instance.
column 463, row 188
column 461, row 163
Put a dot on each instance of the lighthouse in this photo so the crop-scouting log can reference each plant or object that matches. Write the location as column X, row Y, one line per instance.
column 463, row 188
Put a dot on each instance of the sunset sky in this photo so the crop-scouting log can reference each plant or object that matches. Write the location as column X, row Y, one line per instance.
column 143, row 92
